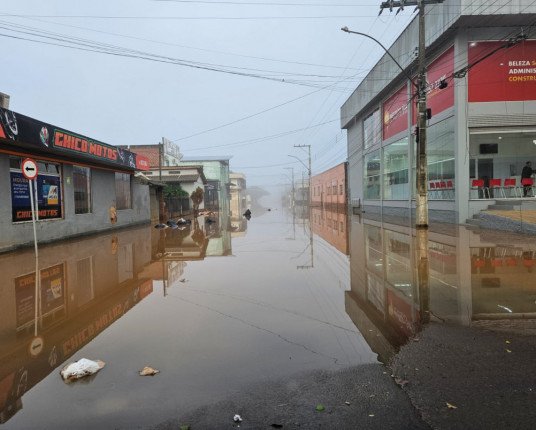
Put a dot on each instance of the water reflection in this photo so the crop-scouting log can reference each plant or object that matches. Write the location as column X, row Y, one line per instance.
column 398, row 281
column 86, row 285
column 332, row 226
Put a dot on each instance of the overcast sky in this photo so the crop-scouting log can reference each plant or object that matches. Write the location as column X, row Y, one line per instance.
column 123, row 100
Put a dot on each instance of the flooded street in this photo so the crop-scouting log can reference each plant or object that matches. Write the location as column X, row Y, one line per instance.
column 234, row 310
column 219, row 310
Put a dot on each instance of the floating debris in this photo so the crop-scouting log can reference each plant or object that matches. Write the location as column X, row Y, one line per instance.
column 451, row 406
column 148, row 371
column 237, row 418
column 81, row 368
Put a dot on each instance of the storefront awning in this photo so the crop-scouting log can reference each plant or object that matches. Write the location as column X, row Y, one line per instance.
column 24, row 134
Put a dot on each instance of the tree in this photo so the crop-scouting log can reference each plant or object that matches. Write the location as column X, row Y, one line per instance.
column 197, row 197
column 174, row 190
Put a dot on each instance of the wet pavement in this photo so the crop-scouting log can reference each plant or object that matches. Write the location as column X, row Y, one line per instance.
column 269, row 318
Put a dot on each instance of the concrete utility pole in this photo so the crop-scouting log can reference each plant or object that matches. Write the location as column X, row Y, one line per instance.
column 421, row 210
column 293, row 197
column 309, row 167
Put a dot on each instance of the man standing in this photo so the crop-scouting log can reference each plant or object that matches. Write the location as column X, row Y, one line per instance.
column 526, row 173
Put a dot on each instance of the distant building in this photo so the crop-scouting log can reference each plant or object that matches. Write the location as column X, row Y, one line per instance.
column 171, row 172
column 240, row 202
column 328, row 189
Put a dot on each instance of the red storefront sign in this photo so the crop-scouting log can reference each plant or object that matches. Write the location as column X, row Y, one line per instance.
column 507, row 75
column 438, row 99
column 142, row 162
column 395, row 113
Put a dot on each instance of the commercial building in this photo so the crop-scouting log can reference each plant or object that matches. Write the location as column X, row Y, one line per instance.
column 482, row 98
column 83, row 185
column 328, row 189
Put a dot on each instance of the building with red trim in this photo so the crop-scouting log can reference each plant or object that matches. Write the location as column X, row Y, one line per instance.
column 83, row 185
column 481, row 92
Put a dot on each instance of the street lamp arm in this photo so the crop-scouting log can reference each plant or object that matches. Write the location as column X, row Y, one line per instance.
column 347, row 30
column 304, row 165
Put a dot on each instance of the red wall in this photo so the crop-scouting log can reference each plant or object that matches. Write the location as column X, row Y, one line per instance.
column 395, row 113
column 322, row 187
column 507, row 75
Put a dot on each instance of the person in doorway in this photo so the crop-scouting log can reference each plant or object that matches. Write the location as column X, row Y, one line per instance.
column 526, row 173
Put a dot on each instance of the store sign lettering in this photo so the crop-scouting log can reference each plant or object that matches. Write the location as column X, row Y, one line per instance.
column 395, row 113
column 86, row 146
column 507, row 75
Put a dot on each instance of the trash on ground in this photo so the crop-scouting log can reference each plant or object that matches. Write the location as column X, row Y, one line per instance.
column 183, row 280
column 237, row 418
column 347, row 403
column 508, row 351
column 148, row 371
column 370, row 415
column 276, row 426
column 320, row 408
column 81, row 368
column 401, row 381
column 160, row 226
column 507, row 341
column 451, row 406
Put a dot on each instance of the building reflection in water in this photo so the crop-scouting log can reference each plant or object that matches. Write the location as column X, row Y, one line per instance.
column 332, row 226
column 86, row 285
column 470, row 279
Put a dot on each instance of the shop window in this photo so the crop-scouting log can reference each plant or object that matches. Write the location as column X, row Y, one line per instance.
column 14, row 163
column 47, row 189
column 440, row 157
column 82, row 189
column 371, row 178
column 372, row 129
column 123, row 193
column 512, row 149
column 395, row 170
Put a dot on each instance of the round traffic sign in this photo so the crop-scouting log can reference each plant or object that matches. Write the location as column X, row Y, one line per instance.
column 36, row 346
column 29, row 169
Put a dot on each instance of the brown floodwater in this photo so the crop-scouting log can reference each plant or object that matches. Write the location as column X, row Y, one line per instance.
column 213, row 308
column 219, row 306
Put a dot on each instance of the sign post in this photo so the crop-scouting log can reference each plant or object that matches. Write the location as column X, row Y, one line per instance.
column 29, row 170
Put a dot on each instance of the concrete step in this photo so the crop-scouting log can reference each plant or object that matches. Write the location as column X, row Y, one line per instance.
column 502, row 207
column 473, row 222
column 508, row 202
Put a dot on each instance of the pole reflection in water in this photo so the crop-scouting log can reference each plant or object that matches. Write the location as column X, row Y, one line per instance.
column 402, row 278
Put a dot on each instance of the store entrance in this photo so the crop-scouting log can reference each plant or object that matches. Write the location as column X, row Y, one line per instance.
column 485, row 170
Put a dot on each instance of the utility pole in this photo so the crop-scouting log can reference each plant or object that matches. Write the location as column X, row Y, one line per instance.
column 309, row 168
column 421, row 209
column 293, row 196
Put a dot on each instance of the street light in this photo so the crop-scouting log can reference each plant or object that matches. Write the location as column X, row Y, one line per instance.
column 421, row 209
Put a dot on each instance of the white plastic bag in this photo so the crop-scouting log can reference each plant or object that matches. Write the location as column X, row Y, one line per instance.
column 81, row 368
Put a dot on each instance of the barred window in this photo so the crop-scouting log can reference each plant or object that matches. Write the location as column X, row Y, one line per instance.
column 123, row 198
column 82, row 189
